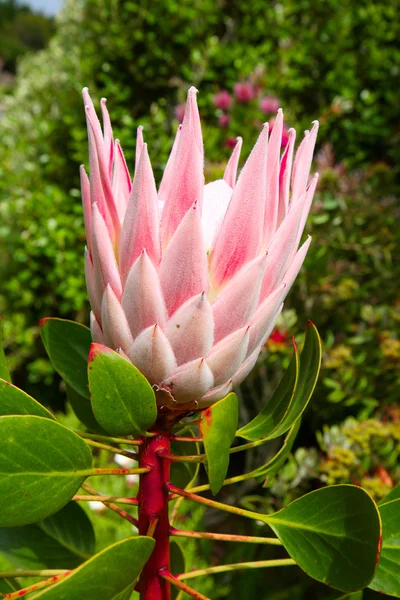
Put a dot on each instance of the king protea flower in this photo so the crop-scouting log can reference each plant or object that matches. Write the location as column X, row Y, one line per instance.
column 187, row 282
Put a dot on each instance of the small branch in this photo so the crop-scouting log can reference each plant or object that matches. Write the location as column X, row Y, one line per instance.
column 183, row 438
column 182, row 586
column 258, row 564
column 206, row 486
column 106, row 438
column 137, row 471
column 193, row 458
column 224, row 537
column 31, row 573
column 247, row 446
column 153, row 520
column 112, row 449
column 175, row 510
column 213, row 503
column 122, row 513
column 36, row 586
column 100, row 498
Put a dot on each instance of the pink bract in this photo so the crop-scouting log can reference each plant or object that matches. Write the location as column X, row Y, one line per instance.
column 187, row 281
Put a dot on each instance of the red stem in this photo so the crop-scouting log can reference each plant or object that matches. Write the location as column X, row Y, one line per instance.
column 153, row 506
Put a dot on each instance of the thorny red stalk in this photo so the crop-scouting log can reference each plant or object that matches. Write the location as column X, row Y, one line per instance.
column 153, row 506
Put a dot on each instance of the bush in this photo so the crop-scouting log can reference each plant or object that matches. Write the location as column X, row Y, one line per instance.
column 140, row 58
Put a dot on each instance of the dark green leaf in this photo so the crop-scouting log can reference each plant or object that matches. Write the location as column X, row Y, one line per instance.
column 310, row 363
column 83, row 410
column 271, row 416
column 218, row 426
column 67, row 343
column 42, row 465
column 109, row 575
column 333, row 535
column 14, row 401
column 4, row 372
column 7, row 586
column 63, row 540
column 387, row 580
column 184, row 475
column 123, row 400
column 273, row 465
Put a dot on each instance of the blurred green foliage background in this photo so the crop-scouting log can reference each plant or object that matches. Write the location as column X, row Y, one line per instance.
column 333, row 60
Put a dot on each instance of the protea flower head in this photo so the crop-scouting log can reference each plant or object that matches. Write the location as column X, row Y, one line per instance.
column 187, row 282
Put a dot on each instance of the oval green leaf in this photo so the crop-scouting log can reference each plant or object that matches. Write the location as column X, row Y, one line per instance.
column 14, row 401
column 109, row 575
column 387, row 580
column 4, row 372
column 42, row 465
column 295, row 400
column 123, row 401
column 333, row 535
column 218, row 426
column 82, row 408
column 67, row 343
column 63, row 540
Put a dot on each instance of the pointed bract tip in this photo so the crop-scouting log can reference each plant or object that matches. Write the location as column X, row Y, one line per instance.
column 280, row 111
column 192, row 91
column 310, row 323
column 294, row 344
column 96, row 349
column 42, row 322
column 103, row 100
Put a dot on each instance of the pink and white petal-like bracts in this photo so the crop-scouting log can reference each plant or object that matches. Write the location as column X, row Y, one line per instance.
column 188, row 282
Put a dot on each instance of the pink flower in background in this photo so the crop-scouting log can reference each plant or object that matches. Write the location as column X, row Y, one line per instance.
column 223, row 121
column 230, row 142
column 222, row 100
column 187, row 281
column 179, row 112
column 269, row 104
column 244, row 91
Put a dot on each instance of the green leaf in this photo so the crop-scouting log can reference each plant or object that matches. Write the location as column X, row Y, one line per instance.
column 4, row 372
column 67, row 343
column 218, row 426
column 14, row 401
column 6, row 586
column 387, row 580
column 83, row 410
column 184, row 475
column 42, row 465
column 265, row 424
column 333, row 535
column 123, row 401
column 63, row 540
column 109, row 575
column 271, row 416
column 272, row 467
